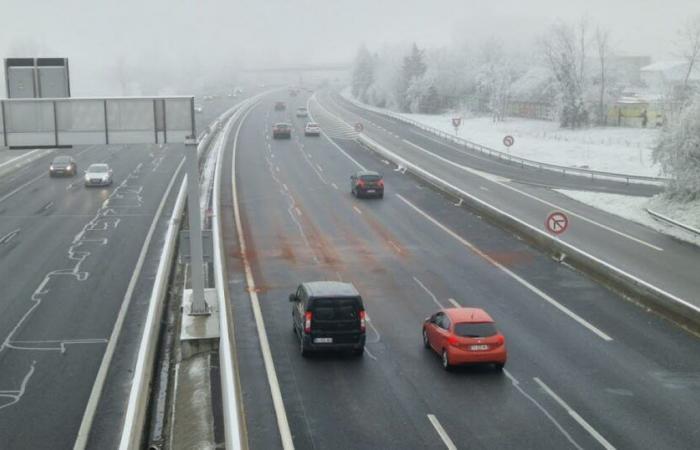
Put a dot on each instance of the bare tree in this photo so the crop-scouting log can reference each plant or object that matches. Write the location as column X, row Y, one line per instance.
column 602, row 41
column 688, row 45
column 564, row 49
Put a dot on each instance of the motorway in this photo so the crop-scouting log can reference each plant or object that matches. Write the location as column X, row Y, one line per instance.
column 69, row 260
column 586, row 368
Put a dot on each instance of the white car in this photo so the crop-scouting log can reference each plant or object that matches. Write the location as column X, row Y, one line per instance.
column 312, row 129
column 98, row 175
column 302, row 112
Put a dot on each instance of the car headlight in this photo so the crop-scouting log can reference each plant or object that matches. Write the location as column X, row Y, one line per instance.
column 51, row 167
column 87, row 178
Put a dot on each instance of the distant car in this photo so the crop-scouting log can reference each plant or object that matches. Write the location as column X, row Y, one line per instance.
column 302, row 112
column 280, row 106
column 198, row 109
column 328, row 315
column 312, row 129
column 281, row 131
column 367, row 184
column 63, row 165
column 292, row 92
column 464, row 336
column 98, row 175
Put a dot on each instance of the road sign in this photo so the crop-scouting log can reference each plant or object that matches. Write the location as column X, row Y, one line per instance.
column 359, row 127
column 456, row 122
column 557, row 222
column 508, row 141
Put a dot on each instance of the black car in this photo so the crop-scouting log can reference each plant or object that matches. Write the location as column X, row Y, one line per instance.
column 366, row 183
column 280, row 106
column 328, row 315
column 63, row 166
column 282, row 131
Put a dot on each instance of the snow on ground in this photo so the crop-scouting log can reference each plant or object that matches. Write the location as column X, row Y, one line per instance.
column 611, row 149
column 634, row 209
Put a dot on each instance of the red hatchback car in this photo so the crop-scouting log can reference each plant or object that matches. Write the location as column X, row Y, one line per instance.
column 465, row 336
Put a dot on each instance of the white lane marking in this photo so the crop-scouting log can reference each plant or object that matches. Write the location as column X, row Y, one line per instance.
column 544, row 202
column 429, row 292
column 297, row 210
column 516, row 385
column 581, row 421
column 442, row 433
column 508, row 272
column 484, row 188
column 396, row 247
column 275, row 390
column 328, row 138
column 357, row 210
column 101, row 377
column 284, row 186
column 24, row 155
column 454, row 303
column 9, row 236
column 11, row 193
column 370, row 354
column 277, row 168
column 319, row 167
column 16, row 395
column 335, row 186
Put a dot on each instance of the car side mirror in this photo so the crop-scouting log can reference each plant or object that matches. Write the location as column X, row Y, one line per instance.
column 293, row 298
column 428, row 319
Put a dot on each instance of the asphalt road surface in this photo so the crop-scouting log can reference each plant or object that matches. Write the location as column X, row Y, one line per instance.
column 586, row 368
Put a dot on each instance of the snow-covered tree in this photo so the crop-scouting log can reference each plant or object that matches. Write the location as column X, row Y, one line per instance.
column 564, row 49
column 602, row 43
column 362, row 74
column 678, row 152
column 688, row 47
column 413, row 69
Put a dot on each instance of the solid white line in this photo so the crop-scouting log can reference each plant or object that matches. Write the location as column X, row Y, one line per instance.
column 442, row 433
column 544, row 202
column 598, row 437
column 319, row 167
column 432, row 296
column 8, row 237
column 96, row 392
column 357, row 210
column 454, row 303
column 278, row 403
column 507, row 271
column 22, row 156
column 335, row 186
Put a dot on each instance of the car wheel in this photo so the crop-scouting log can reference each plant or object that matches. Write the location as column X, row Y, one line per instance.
column 359, row 352
column 446, row 360
column 499, row 366
column 381, row 195
column 426, row 342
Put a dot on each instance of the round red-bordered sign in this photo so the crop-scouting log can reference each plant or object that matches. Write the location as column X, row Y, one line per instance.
column 359, row 127
column 508, row 141
column 557, row 222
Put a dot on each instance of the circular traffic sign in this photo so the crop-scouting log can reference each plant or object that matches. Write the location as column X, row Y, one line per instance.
column 557, row 222
column 359, row 127
column 508, row 140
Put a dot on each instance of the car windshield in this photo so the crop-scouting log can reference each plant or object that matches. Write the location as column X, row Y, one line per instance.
column 61, row 160
column 475, row 330
column 98, row 168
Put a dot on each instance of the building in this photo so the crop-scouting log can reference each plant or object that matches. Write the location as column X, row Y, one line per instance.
column 667, row 77
column 532, row 95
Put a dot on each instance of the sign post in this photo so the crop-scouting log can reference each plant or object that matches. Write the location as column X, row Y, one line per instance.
column 456, row 123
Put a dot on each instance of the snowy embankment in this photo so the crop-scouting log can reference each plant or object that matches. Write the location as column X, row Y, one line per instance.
column 610, row 149
column 634, row 209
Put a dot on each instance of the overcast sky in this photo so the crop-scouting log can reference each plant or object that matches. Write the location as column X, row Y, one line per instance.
column 97, row 34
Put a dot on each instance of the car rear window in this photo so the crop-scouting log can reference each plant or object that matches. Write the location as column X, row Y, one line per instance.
column 98, row 168
column 336, row 309
column 483, row 329
column 371, row 177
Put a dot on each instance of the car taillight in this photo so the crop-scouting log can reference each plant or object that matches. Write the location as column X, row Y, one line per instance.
column 452, row 340
column 307, row 322
column 381, row 183
column 363, row 321
column 361, row 183
column 500, row 340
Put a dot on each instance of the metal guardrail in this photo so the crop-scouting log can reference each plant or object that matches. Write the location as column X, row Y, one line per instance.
column 522, row 162
column 675, row 223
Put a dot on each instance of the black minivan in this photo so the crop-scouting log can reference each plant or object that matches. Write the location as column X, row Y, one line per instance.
column 328, row 315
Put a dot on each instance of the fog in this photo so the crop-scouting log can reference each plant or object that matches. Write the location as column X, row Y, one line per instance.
column 169, row 46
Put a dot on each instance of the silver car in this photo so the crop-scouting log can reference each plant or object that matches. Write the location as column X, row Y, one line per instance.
column 98, row 175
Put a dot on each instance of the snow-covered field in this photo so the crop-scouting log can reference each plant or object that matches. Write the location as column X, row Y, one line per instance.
column 612, row 149
column 633, row 208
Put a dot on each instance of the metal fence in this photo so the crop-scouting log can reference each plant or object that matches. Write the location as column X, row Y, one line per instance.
column 515, row 160
column 74, row 121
